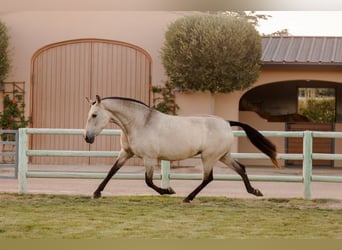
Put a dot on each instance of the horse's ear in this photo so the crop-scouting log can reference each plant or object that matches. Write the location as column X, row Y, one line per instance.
column 98, row 99
column 91, row 102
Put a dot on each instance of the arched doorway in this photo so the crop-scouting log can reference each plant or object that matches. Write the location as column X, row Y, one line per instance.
column 64, row 73
column 281, row 103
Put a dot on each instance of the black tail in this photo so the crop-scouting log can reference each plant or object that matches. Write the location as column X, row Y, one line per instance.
column 259, row 141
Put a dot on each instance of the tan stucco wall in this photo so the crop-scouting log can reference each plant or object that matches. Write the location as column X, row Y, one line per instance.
column 31, row 30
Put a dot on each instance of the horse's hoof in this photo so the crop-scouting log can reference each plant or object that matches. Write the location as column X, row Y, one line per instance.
column 186, row 200
column 170, row 190
column 257, row 192
column 96, row 195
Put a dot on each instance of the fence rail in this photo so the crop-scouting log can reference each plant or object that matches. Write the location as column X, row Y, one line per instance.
column 165, row 174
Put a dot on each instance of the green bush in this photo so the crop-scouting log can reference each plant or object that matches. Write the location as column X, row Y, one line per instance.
column 164, row 99
column 320, row 111
column 211, row 52
column 13, row 116
column 4, row 59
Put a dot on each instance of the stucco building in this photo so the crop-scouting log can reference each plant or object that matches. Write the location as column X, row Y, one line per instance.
column 64, row 56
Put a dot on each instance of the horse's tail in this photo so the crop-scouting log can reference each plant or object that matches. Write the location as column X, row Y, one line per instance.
column 259, row 141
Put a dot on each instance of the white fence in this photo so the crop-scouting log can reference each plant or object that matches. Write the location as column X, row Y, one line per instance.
column 9, row 149
column 166, row 175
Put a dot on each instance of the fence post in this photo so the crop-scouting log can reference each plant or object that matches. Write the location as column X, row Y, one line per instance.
column 307, row 164
column 16, row 154
column 165, row 173
column 23, row 160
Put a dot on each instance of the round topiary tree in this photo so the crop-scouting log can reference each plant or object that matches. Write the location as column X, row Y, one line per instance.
column 213, row 53
column 4, row 59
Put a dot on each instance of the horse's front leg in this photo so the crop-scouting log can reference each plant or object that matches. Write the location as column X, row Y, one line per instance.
column 149, row 165
column 208, row 163
column 122, row 158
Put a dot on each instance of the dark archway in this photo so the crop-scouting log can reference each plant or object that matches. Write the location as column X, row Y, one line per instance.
column 278, row 102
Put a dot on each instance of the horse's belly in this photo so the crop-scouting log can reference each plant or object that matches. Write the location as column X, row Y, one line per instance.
column 172, row 153
column 183, row 149
column 177, row 155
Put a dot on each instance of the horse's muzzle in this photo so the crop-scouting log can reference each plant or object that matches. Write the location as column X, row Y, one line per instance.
column 89, row 139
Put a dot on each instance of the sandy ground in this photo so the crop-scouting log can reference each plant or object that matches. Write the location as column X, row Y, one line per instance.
column 233, row 189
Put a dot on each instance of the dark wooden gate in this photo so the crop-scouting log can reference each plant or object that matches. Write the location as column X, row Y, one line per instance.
column 320, row 145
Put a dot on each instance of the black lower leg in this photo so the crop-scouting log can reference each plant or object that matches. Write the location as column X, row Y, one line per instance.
column 112, row 171
column 204, row 183
column 149, row 182
column 242, row 172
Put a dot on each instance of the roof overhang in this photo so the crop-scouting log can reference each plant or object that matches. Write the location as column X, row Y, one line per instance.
column 302, row 51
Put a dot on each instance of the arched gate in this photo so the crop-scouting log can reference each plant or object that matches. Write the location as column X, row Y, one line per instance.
column 64, row 73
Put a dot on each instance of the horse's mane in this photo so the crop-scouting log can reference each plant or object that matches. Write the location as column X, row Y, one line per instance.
column 125, row 99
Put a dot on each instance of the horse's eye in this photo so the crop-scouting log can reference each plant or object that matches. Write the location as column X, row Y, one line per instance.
column 94, row 115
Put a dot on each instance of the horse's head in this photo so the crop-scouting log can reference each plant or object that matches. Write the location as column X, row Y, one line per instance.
column 98, row 118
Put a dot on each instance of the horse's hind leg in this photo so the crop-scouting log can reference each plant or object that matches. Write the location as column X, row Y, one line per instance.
column 122, row 158
column 241, row 170
column 149, row 164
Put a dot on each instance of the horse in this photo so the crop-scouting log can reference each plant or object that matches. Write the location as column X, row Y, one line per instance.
column 153, row 136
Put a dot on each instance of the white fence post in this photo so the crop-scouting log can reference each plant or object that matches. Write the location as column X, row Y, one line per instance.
column 165, row 173
column 307, row 163
column 23, row 160
column 16, row 153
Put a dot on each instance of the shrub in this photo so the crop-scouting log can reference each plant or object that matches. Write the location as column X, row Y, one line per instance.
column 4, row 59
column 213, row 53
column 320, row 111
column 13, row 116
column 164, row 99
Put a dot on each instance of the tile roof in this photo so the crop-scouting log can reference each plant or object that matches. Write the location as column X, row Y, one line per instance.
column 302, row 50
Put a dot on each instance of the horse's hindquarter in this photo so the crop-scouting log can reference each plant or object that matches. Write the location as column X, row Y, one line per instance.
column 177, row 138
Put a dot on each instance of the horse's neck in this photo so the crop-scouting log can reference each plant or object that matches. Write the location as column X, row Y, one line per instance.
column 127, row 115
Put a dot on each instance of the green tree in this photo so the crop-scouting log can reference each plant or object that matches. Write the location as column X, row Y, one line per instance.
column 250, row 16
column 4, row 59
column 283, row 32
column 215, row 53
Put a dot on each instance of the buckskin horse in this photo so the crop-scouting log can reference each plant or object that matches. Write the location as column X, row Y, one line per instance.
column 153, row 136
